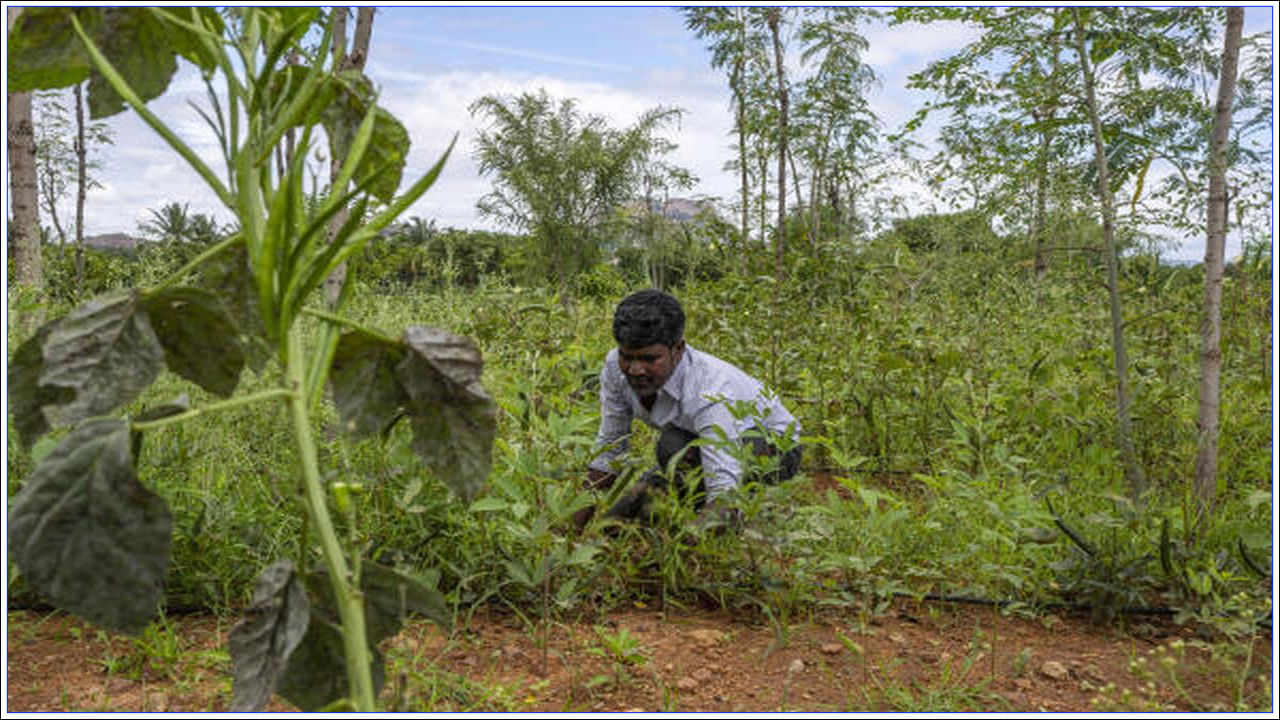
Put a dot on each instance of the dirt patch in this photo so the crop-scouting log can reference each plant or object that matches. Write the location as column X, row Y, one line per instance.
column 913, row 657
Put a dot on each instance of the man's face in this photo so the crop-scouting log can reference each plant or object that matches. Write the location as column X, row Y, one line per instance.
column 647, row 368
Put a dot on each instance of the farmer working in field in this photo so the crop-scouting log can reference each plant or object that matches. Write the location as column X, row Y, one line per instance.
column 654, row 375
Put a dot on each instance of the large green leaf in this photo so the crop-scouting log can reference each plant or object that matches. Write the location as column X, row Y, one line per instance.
column 26, row 396
column 262, row 641
column 227, row 275
column 87, row 535
column 453, row 417
column 200, row 340
column 104, row 352
column 383, row 162
column 365, row 390
column 45, row 52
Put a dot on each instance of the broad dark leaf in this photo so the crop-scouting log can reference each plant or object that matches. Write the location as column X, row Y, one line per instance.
column 384, row 160
column 262, row 641
column 453, row 417
column 200, row 340
column 45, row 52
column 316, row 673
column 228, row 277
column 104, row 352
column 365, row 390
column 26, row 396
column 390, row 596
column 87, row 535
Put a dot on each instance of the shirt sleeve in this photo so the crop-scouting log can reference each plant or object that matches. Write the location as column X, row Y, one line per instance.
column 615, row 417
column 720, row 469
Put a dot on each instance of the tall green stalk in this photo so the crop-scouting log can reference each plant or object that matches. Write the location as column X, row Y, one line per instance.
column 347, row 595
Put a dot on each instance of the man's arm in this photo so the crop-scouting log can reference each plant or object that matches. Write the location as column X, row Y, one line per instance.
column 615, row 425
column 720, row 469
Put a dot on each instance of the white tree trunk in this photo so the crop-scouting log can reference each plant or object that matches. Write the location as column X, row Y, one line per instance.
column 1206, row 467
column 353, row 59
column 24, row 197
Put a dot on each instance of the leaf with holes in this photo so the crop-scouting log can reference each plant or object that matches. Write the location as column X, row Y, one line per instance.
column 87, row 535
column 262, row 641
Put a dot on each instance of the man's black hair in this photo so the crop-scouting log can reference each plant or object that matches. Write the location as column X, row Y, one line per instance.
column 648, row 317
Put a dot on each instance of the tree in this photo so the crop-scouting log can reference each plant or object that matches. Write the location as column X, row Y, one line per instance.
column 834, row 126
column 345, row 61
column 559, row 174
column 773, row 18
column 1106, row 199
column 24, row 224
column 732, row 42
column 1206, row 464
column 58, row 154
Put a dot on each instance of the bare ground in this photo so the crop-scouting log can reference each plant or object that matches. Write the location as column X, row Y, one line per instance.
column 912, row 657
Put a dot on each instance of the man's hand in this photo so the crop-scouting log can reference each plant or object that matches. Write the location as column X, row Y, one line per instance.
column 716, row 516
column 600, row 480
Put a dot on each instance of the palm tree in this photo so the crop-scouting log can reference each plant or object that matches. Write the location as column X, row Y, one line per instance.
column 172, row 223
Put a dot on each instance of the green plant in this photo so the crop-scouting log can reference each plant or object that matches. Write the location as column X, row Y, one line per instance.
column 312, row 635
column 622, row 649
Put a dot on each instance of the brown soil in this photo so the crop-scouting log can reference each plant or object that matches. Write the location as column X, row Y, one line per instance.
column 912, row 657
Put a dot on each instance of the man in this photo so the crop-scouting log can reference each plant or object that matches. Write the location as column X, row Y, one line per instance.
column 655, row 376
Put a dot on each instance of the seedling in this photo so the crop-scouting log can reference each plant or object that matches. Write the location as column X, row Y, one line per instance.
column 310, row 634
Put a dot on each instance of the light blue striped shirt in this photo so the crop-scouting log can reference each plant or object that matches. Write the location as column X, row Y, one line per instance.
column 691, row 400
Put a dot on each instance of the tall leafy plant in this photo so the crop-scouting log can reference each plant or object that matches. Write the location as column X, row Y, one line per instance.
column 84, row 530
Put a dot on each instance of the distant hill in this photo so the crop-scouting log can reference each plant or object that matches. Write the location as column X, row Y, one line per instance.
column 678, row 209
column 113, row 242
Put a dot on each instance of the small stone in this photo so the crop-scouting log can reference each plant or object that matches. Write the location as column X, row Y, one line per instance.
column 686, row 683
column 796, row 666
column 831, row 648
column 721, row 698
column 1054, row 670
column 669, row 667
column 157, row 703
column 706, row 637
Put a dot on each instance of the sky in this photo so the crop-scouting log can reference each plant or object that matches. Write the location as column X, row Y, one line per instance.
column 432, row 61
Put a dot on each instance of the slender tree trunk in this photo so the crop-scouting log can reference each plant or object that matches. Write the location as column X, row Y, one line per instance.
column 346, row 60
column 1124, row 425
column 24, row 194
column 739, row 100
column 1206, row 482
column 1039, row 226
column 82, row 181
column 774, row 19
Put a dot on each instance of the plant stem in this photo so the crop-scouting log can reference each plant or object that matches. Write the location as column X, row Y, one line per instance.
column 225, row 405
column 348, row 598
